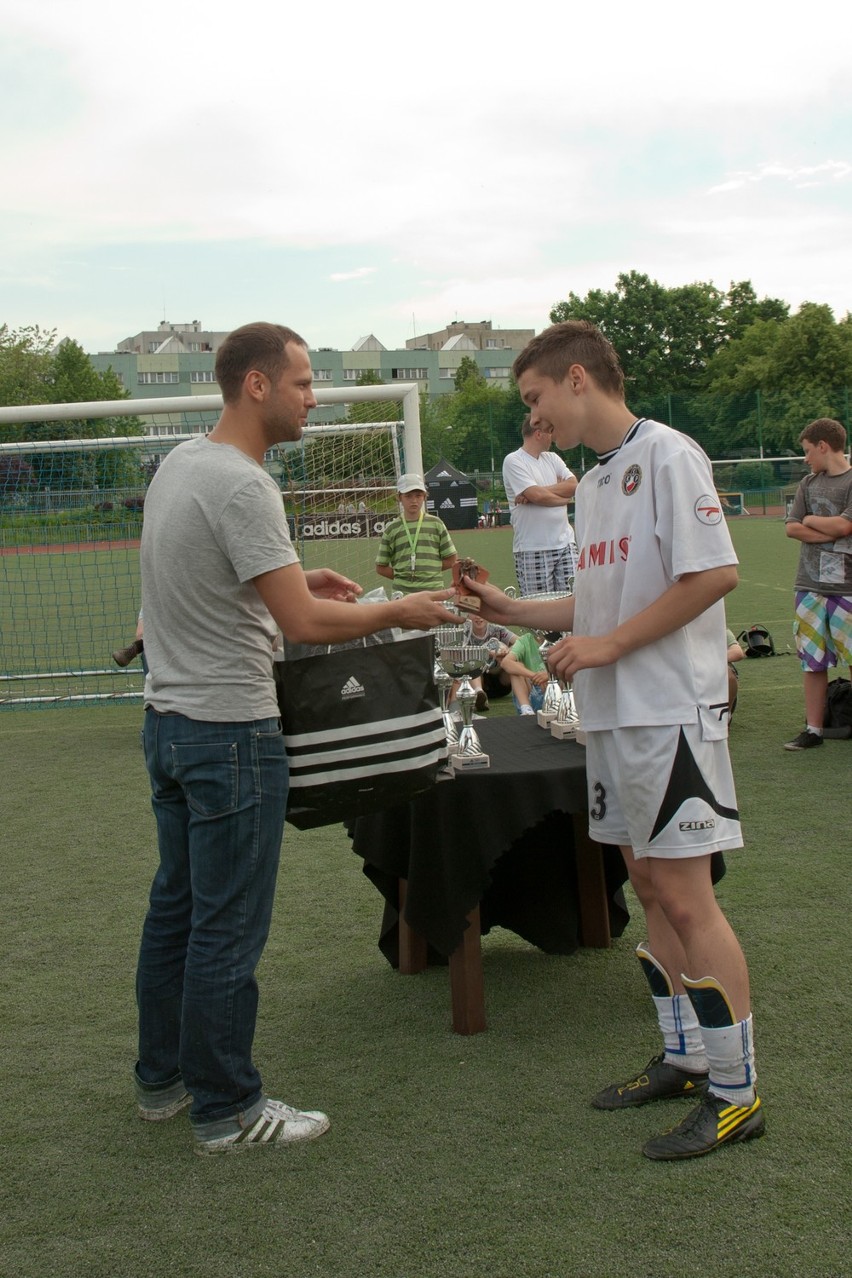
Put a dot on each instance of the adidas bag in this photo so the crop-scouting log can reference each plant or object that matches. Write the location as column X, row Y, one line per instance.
column 362, row 727
column 756, row 641
column 837, row 723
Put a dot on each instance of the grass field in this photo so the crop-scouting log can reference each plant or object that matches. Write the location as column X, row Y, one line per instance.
column 447, row 1156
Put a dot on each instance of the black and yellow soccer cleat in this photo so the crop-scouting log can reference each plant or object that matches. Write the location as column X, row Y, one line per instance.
column 657, row 1081
column 713, row 1123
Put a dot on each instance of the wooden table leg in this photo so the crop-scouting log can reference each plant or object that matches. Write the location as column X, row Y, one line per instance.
column 591, row 887
column 467, row 985
column 412, row 946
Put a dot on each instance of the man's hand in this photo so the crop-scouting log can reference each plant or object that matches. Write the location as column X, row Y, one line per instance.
column 324, row 583
column 423, row 610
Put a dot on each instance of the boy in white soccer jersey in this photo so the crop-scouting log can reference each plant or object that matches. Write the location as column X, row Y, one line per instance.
column 647, row 657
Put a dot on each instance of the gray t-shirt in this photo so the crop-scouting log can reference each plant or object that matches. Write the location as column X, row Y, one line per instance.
column 213, row 521
column 824, row 567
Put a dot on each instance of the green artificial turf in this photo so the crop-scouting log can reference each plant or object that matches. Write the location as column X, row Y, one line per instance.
column 447, row 1156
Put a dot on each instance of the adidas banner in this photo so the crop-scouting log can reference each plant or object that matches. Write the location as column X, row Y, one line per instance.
column 362, row 727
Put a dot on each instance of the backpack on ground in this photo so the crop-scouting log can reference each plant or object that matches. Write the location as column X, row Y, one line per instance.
column 756, row 641
column 838, row 710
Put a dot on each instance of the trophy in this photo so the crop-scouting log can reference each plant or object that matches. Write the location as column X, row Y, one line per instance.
column 464, row 663
column 552, row 692
column 565, row 725
column 447, row 637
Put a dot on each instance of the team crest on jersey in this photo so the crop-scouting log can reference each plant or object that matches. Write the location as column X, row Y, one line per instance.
column 708, row 509
column 630, row 480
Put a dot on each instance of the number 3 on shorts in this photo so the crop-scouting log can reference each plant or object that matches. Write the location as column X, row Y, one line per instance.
column 598, row 809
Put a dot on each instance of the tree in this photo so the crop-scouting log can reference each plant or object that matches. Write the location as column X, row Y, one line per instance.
column 667, row 338
column 33, row 371
column 468, row 374
column 26, row 363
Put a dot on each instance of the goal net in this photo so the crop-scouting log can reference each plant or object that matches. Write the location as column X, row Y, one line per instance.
column 71, row 519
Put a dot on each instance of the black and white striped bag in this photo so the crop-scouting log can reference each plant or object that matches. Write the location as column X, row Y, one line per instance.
column 363, row 729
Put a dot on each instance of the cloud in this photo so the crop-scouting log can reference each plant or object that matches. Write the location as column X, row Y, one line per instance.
column 360, row 273
column 801, row 176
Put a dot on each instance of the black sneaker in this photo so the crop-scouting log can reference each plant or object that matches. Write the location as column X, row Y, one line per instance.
column 804, row 741
column 713, row 1123
column 657, row 1081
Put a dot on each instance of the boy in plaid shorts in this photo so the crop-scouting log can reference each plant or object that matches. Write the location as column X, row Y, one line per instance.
column 821, row 519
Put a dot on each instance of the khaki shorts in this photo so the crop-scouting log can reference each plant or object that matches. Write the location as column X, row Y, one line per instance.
column 665, row 791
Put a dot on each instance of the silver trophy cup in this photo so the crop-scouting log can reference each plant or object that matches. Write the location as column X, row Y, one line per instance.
column 465, row 663
column 447, row 637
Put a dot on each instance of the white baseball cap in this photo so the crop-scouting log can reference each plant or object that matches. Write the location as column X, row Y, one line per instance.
column 411, row 483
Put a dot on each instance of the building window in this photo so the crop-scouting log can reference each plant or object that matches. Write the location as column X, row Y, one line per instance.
column 409, row 374
column 323, row 374
column 496, row 372
column 207, row 376
column 158, row 379
column 447, row 372
column 351, row 374
column 491, row 343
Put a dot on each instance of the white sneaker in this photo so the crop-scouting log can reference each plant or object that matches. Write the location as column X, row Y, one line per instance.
column 278, row 1124
column 527, row 710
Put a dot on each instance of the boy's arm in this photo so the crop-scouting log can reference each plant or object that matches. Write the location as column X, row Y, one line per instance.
column 385, row 570
column 692, row 594
column 513, row 666
column 449, row 561
column 803, row 532
column 834, row 526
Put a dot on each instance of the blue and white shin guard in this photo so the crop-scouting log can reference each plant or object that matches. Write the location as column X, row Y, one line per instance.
column 682, row 1041
column 729, row 1043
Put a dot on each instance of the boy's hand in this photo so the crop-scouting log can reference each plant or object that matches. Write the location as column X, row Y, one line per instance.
column 581, row 652
column 496, row 606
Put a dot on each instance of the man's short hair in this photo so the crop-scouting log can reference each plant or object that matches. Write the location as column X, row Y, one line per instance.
column 553, row 352
column 825, row 430
column 258, row 346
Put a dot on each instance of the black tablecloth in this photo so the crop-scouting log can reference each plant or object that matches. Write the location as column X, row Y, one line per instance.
column 501, row 837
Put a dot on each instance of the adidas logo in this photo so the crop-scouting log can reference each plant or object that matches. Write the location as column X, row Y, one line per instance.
column 351, row 688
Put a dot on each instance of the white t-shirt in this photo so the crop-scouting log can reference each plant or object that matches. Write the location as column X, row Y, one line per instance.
column 647, row 516
column 213, row 521
column 536, row 527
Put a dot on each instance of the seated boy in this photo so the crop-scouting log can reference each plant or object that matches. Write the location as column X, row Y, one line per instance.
column 527, row 672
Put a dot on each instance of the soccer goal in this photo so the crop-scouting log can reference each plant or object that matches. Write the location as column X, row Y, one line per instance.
column 71, row 519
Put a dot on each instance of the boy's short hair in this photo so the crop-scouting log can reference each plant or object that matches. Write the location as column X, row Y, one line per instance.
column 258, row 346
column 553, row 352
column 825, row 430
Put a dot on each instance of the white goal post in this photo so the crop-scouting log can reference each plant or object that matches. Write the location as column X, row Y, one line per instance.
column 71, row 512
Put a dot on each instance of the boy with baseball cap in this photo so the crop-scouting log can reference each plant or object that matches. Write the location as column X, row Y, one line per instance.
column 416, row 549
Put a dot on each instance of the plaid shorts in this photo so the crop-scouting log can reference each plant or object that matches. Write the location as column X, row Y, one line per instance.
column 539, row 571
column 823, row 630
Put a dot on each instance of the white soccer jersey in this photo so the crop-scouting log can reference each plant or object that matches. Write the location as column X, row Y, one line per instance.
column 536, row 527
column 646, row 516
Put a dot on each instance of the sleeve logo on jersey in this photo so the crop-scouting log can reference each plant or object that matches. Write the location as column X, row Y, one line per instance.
column 630, row 480
column 708, row 509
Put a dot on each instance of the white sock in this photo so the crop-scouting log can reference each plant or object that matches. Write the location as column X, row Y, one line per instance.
column 816, row 731
column 684, row 1046
column 730, row 1052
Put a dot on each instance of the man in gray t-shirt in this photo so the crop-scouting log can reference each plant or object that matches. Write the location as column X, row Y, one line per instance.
column 219, row 579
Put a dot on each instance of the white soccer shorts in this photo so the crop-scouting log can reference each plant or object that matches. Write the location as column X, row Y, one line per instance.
column 665, row 791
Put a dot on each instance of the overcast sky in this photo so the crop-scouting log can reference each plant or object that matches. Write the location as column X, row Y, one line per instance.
column 388, row 168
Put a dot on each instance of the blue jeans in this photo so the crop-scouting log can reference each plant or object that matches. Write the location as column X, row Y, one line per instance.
column 219, row 793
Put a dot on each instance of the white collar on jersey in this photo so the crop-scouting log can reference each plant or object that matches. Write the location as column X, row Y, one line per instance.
column 603, row 458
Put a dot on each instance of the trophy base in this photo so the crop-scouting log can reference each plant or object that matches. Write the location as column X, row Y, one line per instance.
column 564, row 731
column 545, row 717
column 469, row 762
column 581, row 737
